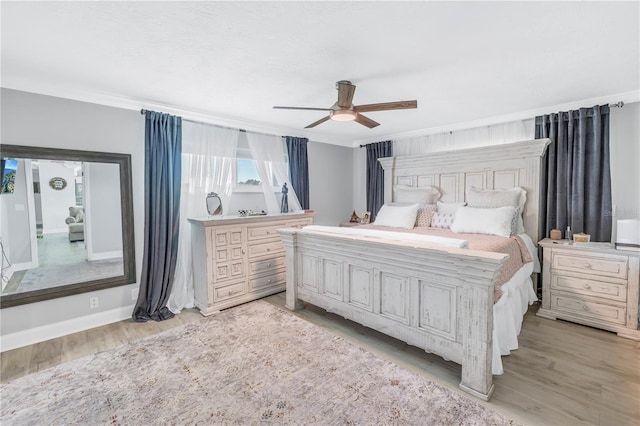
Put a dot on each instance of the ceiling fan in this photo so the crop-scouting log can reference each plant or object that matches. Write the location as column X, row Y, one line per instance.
column 345, row 110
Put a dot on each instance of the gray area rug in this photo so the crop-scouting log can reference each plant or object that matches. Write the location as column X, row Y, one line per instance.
column 252, row 364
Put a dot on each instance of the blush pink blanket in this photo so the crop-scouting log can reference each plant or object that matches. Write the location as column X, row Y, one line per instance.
column 513, row 246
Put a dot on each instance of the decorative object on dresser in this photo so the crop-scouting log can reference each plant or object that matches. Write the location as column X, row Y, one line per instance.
column 214, row 204
column 238, row 259
column 366, row 217
column 591, row 284
column 354, row 218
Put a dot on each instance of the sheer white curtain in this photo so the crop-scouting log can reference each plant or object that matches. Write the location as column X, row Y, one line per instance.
column 269, row 153
column 208, row 157
column 514, row 131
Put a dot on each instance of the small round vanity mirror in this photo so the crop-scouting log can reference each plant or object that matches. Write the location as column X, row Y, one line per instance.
column 214, row 204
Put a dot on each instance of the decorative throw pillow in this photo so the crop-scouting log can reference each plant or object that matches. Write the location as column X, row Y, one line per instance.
column 494, row 221
column 491, row 198
column 442, row 220
column 415, row 194
column 397, row 216
column 425, row 215
column 449, row 208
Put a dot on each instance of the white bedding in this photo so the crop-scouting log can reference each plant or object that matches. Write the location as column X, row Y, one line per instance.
column 396, row 236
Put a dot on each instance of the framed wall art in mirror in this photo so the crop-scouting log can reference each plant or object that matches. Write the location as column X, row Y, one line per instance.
column 67, row 226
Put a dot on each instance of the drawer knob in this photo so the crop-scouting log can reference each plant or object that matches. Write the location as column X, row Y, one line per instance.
column 268, row 264
column 269, row 281
column 587, row 265
column 587, row 286
column 586, row 308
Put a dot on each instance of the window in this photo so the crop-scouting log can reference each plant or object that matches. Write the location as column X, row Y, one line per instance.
column 245, row 173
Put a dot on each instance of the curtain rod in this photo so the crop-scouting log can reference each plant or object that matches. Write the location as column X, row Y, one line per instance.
column 143, row 111
column 618, row 104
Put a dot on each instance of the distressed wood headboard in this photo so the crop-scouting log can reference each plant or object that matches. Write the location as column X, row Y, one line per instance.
column 490, row 167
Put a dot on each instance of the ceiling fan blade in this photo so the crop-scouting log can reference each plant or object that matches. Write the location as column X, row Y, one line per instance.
column 302, row 108
column 315, row 123
column 386, row 106
column 366, row 121
column 345, row 93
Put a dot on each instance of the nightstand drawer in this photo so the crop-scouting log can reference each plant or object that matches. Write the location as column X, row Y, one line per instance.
column 615, row 267
column 612, row 291
column 584, row 308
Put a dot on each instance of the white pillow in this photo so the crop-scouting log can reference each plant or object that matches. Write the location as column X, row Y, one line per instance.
column 494, row 221
column 397, row 216
column 414, row 194
column 515, row 197
column 449, row 208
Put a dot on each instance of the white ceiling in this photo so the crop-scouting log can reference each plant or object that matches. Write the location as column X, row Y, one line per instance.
column 229, row 62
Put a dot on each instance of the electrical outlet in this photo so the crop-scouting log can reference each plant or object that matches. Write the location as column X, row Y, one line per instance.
column 134, row 294
column 93, row 302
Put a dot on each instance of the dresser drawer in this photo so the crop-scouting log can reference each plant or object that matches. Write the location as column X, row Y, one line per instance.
column 227, row 253
column 264, row 248
column 266, row 265
column 227, row 236
column 271, row 231
column 606, row 290
column 615, row 267
column 261, row 232
column 298, row 223
column 225, row 271
column 597, row 311
column 228, row 292
column 267, row 281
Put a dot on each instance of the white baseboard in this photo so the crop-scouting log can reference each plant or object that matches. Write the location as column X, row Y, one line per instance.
column 62, row 328
column 105, row 255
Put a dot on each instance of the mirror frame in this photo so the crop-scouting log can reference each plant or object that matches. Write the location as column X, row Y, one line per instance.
column 128, row 237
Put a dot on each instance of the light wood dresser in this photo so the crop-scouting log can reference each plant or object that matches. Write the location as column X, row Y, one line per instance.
column 239, row 259
column 594, row 285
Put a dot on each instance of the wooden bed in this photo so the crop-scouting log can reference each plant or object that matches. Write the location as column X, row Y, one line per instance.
column 436, row 298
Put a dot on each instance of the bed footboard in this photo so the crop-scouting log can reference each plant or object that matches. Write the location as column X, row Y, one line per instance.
column 438, row 299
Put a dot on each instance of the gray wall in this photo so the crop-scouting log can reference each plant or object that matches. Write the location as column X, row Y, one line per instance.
column 330, row 187
column 36, row 120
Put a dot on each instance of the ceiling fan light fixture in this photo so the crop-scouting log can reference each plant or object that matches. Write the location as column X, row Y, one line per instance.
column 343, row 115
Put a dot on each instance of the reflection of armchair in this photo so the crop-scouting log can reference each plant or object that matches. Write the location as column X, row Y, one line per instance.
column 76, row 224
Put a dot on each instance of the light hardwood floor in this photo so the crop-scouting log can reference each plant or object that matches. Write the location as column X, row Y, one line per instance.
column 563, row 373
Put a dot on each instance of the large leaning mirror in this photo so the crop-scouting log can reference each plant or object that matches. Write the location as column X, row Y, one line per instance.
column 66, row 223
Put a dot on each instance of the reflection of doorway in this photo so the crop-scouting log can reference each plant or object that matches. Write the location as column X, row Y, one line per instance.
column 56, row 250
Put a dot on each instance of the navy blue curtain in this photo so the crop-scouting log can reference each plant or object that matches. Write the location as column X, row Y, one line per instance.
column 162, row 179
column 299, row 168
column 576, row 172
column 375, row 175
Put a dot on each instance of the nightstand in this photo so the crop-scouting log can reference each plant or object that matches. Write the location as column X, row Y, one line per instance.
column 591, row 284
